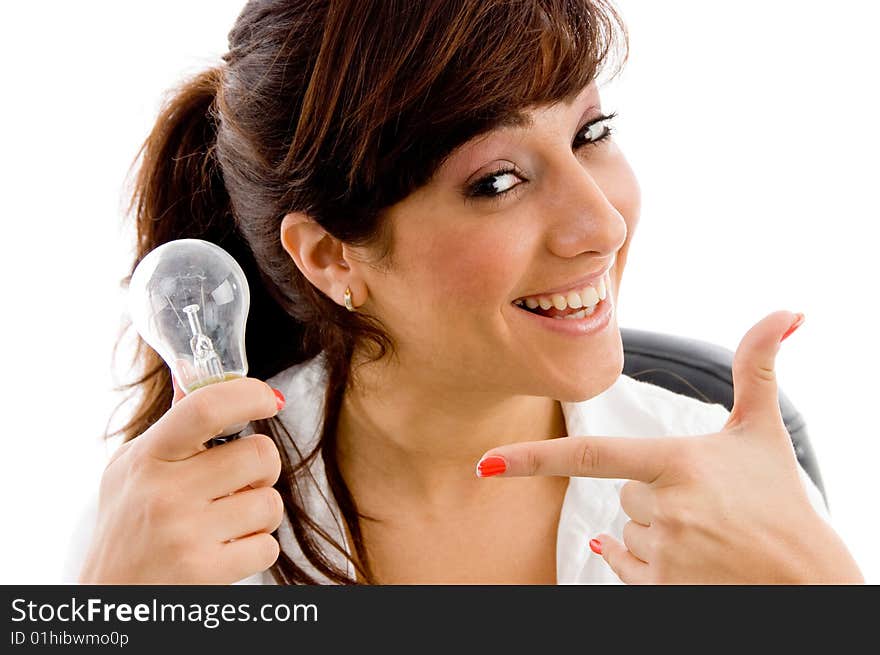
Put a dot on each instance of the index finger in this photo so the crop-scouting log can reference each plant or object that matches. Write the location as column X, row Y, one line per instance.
column 204, row 413
column 632, row 458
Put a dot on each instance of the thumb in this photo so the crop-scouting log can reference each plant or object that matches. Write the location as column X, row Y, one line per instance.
column 626, row 566
column 755, row 390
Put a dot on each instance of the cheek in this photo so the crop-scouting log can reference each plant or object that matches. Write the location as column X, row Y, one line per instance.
column 472, row 268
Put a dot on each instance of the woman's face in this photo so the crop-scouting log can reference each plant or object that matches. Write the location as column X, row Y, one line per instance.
column 461, row 261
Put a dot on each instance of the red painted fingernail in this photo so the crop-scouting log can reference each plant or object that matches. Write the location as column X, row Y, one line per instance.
column 794, row 326
column 596, row 546
column 279, row 399
column 490, row 466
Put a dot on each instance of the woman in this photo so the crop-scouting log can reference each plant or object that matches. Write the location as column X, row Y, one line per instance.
column 434, row 222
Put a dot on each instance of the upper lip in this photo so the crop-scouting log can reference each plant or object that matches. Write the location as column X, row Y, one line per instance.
column 575, row 285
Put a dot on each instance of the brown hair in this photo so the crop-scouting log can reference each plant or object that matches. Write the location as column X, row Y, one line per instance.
column 339, row 110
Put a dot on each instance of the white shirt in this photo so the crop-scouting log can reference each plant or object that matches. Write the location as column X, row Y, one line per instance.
column 629, row 408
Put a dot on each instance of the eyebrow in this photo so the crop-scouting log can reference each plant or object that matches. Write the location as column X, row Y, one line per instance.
column 521, row 119
column 516, row 119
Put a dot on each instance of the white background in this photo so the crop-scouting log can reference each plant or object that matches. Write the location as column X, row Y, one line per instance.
column 752, row 127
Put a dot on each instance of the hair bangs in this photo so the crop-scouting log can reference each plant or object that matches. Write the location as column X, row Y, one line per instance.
column 468, row 68
column 549, row 52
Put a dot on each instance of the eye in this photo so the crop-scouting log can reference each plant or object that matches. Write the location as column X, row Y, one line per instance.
column 596, row 130
column 499, row 182
column 495, row 183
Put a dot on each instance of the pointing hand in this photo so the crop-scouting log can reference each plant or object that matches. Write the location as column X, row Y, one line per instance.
column 727, row 507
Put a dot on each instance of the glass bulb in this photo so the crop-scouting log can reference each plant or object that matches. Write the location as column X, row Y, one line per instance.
column 189, row 300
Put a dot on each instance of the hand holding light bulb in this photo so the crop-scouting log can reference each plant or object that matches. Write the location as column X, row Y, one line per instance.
column 172, row 510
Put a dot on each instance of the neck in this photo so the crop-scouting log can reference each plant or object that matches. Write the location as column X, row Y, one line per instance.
column 413, row 439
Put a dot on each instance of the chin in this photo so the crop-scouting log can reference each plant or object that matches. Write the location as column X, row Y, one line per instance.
column 591, row 379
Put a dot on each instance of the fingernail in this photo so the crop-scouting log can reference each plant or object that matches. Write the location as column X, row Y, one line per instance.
column 794, row 326
column 490, row 466
column 279, row 399
column 596, row 546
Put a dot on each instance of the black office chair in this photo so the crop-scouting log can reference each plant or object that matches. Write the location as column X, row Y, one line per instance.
column 704, row 371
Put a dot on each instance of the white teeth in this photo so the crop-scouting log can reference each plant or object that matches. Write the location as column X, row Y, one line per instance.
column 590, row 296
column 586, row 297
column 581, row 314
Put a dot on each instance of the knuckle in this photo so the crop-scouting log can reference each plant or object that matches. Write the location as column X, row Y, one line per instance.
column 765, row 374
column 586, row 457
column 202, row 410
column 531, row 464
column 679, row 518
column 744, row 369
column 158, row 507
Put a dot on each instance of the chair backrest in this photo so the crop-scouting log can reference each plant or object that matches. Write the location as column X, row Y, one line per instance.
column 704, row 371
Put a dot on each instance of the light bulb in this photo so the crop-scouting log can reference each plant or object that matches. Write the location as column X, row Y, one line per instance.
column 189, row 300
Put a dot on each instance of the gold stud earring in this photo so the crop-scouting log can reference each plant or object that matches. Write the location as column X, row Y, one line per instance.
column 347, row 299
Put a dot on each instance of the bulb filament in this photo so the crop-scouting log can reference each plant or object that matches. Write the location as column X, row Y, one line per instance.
column 206, row 360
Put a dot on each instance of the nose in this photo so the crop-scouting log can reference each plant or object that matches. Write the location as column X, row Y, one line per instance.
column 584, row 219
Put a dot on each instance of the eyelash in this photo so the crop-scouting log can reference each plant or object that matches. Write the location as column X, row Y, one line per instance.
column 475, row 194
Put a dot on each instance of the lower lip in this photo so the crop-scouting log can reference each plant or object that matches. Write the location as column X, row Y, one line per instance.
column 578, row 327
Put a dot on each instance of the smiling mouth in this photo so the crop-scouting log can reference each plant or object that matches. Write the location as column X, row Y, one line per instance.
column 573, row 304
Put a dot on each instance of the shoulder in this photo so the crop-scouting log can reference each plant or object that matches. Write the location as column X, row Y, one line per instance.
column 307, row 372
column 304, row 386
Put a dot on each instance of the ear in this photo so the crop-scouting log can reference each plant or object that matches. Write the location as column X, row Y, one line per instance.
column 323, row 259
